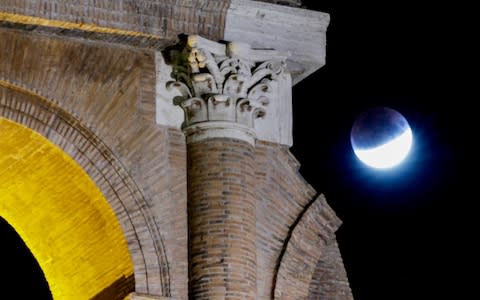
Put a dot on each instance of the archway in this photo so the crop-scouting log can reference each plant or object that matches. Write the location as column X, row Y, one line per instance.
column 20, row 271
column 26, row 107
column 62, row 217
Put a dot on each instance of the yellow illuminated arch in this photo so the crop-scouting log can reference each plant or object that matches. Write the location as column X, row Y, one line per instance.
column 61, row 215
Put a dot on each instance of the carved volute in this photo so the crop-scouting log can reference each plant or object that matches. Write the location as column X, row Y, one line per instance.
column 224, row 87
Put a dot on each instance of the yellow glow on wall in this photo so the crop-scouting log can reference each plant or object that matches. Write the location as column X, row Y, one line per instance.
column 29, row 20
column 60, row 214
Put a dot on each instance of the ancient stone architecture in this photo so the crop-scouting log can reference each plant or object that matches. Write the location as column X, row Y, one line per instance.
column 144, row 149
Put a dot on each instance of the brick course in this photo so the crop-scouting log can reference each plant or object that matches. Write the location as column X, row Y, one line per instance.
column 281, row 193
column 96, row 102
column 221, row 214
column 329, row 280
column 162, row 19
column 310, row 235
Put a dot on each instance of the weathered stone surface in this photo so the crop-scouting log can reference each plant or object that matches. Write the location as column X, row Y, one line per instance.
column 265, row 112
column 224, row 88
column 300, row 32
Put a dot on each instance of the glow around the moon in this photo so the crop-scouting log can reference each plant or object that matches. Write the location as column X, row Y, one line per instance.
column 387, row 155
column 381, row 137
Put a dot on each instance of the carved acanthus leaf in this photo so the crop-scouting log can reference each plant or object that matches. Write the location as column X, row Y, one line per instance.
column 232, row 81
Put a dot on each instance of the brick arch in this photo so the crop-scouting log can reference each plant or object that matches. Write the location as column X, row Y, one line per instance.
column 145, row 244
column 329, row 280
column 312, row 232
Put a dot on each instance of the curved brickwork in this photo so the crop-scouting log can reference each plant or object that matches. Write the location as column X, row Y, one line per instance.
column 221, row 208
column 97, row 103
column 314, row 230
column 282, row 194
column 101, row 165
column 329, row 279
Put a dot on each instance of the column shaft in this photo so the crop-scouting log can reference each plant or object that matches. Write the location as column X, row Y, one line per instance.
column 222, row 222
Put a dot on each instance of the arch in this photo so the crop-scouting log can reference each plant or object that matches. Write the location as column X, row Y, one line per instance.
column 61, row 215
column 313, row 231
column 20, row 269
column 329, row 280
column 42, row 115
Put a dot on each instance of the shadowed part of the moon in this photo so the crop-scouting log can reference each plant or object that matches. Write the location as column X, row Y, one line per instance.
column 377, row 126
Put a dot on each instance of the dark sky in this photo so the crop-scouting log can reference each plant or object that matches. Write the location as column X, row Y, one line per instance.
column 407, row 232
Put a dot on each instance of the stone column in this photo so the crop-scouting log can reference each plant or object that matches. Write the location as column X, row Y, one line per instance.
column 224, row 89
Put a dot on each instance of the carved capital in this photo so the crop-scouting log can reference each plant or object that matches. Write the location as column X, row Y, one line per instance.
column 222, row 85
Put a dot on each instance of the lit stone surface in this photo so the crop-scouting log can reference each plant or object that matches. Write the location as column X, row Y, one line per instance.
column 275, row 126
column 225, row 88
column 300, row 32
column 61, row 215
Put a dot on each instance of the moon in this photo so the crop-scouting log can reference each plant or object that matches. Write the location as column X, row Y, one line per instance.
column 381, row 137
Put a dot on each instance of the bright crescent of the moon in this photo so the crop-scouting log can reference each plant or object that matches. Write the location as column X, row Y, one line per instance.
column 389, row 154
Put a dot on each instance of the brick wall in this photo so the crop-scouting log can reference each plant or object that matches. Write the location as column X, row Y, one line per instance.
column 293, row 228
column 309, row 236
column 221, row 208
column 282, row 194
column 163, row 19
column 330, row 280
column 96, row 102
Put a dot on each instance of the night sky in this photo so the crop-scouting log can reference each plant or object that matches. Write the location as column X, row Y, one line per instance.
column 407, row 232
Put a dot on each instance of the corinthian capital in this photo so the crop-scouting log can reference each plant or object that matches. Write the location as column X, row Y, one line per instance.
column 223, row 86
